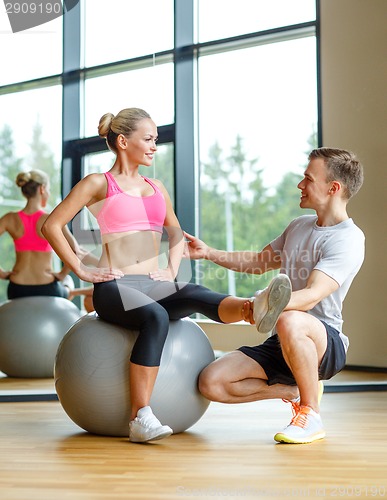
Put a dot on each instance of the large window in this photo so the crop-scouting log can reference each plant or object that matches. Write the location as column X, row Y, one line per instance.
column 232, row 86
column 34, row 118
column 150, row 88
column 257, row 121
column 121, row 29
column 31, row 54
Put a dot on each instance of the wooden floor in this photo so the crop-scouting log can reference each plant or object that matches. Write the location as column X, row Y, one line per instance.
column 229, row 453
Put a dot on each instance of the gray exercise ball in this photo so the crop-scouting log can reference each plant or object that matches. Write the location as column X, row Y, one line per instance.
column 31, row 329
column 92, row 375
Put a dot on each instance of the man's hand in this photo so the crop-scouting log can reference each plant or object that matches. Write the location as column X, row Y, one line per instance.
column 195, row 248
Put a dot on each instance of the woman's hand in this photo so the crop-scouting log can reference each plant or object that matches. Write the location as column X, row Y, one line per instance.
column 60, row 276
column 247, row 312
column 162, row 275
column 4, row 275
column 99, row 274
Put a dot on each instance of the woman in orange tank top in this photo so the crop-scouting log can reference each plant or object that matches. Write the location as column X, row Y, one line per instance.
column 32, row 273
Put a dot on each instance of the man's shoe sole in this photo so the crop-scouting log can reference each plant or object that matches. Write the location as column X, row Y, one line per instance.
column 279, row 294
column 282, row 438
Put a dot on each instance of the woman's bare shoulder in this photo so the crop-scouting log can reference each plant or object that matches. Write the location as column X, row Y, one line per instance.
column 10, row 217
column 10, row 222
column 91, row 183
column 159, row 184
column 97, row 179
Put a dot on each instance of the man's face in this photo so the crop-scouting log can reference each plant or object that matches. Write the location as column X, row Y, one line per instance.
column 314, row 186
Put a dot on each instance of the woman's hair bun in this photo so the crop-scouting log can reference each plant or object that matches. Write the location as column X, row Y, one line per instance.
column 23, row 178
column 105, row 123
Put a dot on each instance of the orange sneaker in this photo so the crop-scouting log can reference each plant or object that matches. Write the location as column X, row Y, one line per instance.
column 305, row 427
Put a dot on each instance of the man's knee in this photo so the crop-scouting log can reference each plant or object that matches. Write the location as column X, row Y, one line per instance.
column 288, row 319
column 288, row 323
column 210, row 384
column 295, row 325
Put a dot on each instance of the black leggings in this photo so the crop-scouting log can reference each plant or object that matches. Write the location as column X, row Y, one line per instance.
column 137, row 302
column 54, row 289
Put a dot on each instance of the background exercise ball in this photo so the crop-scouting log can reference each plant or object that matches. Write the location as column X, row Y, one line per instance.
column 92, row 375
column 31, row 329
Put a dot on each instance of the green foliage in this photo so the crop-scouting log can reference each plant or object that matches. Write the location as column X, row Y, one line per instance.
column 10, row 166
column 42, row 158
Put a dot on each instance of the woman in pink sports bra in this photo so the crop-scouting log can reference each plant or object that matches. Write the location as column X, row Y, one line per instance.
column 130, row 289
column 32, row 273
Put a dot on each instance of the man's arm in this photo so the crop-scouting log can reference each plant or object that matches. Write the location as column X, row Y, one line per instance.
column 243, row 261
column 319, row 286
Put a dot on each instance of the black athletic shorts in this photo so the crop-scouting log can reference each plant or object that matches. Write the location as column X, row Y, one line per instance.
column 269, row 356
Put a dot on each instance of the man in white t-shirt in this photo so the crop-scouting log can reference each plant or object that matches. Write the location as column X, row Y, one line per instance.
column 318, row 257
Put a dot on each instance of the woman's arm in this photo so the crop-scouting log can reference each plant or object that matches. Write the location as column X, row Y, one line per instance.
column 84, row 256
column 4, row 227
column 83, row 194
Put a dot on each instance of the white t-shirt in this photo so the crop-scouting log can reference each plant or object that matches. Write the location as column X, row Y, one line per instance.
column 337, row 251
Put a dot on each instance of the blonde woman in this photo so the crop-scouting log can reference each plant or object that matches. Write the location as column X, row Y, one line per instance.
column 32, row 273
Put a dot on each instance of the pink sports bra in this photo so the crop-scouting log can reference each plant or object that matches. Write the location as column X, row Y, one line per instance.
column 123, row 212
column 31, row 241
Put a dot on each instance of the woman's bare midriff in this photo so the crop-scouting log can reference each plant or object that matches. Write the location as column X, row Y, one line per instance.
column 134, row 252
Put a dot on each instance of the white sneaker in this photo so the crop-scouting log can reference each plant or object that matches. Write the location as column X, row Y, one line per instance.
column 306, row 426
column 146, row 427
column 270, row 302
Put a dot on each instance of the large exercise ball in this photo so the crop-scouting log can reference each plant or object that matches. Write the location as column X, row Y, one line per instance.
column 31, row 329
column 92, row 375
